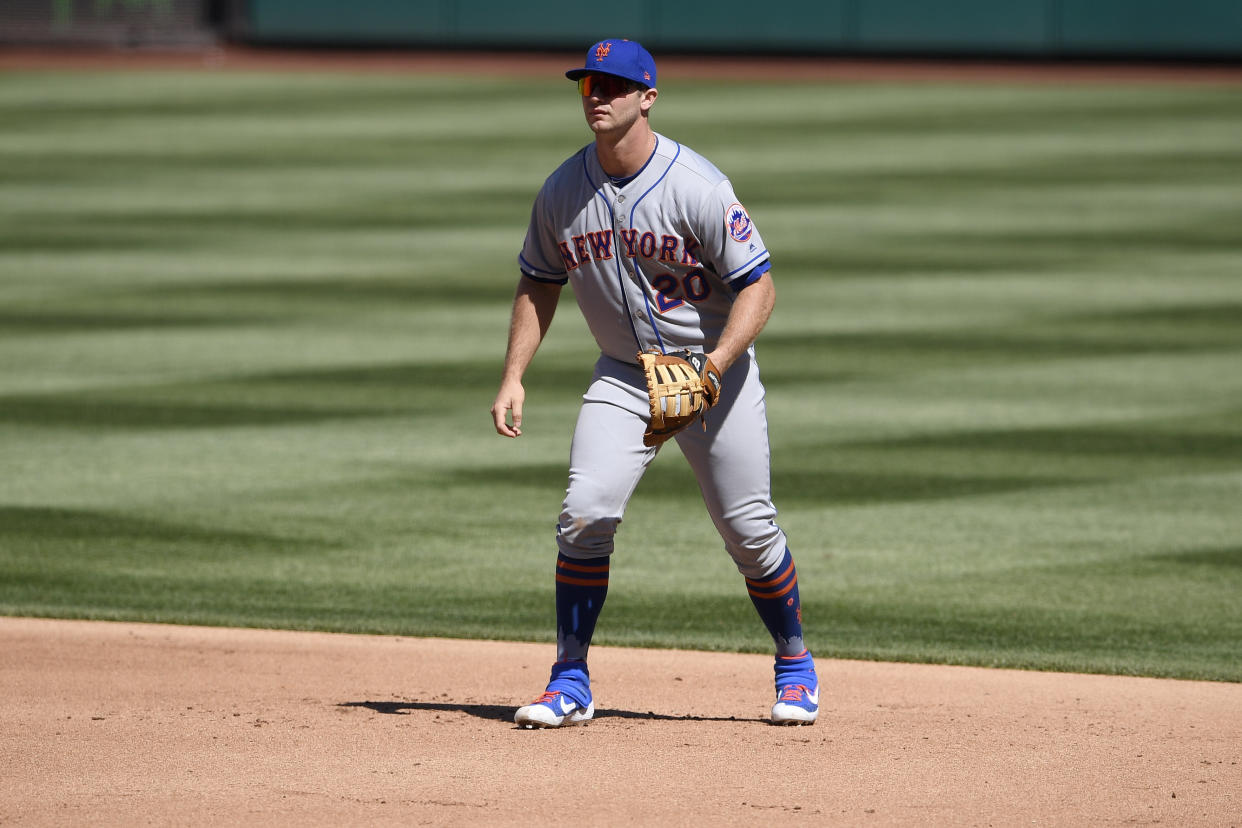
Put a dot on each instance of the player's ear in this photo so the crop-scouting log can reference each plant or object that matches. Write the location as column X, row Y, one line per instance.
column 648, row 99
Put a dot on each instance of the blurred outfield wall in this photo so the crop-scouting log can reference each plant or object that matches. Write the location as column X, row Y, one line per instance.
column 1203, row 29
column 112, row 23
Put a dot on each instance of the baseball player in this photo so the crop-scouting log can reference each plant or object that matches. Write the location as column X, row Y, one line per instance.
column 667, row 267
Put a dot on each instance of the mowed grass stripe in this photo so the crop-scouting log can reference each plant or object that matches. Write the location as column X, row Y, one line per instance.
column 254, row 323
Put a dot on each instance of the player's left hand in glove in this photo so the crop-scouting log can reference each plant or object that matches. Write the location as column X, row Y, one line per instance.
column 681, row 387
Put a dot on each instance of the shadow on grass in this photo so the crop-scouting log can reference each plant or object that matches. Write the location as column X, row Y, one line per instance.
column 43, row 527
column 1160, row 439
column 504, row 713
column 276, row 399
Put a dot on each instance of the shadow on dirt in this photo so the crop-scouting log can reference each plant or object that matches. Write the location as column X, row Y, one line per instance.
column 504, row 713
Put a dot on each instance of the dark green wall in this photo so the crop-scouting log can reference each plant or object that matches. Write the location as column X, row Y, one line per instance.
column 1160, row 27
column 1066, row 28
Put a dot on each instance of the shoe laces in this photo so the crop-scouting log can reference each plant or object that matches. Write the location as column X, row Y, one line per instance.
column 793, row 692
column 548, row 695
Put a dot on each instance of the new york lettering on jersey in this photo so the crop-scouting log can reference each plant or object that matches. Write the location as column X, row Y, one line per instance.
column 597, row 246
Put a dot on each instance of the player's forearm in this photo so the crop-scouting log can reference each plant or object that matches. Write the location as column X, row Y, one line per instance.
column 749, row 315
column 533, row 308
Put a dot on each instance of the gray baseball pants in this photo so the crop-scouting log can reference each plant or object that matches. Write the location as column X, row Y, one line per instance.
column 729, row 459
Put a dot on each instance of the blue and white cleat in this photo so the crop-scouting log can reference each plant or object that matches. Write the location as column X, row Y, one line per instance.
column 797, row 704
column 567, row 701
column 553, row 710
column 797, row 690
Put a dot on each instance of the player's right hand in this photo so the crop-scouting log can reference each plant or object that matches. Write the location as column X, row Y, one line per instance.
column 509, row 400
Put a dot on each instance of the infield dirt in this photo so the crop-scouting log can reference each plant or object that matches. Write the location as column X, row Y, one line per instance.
column 125, row 724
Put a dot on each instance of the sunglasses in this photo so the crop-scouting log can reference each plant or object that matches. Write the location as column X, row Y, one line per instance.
column 605, row 86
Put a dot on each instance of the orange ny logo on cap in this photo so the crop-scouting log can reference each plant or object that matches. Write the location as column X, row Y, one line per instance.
column 601, row 52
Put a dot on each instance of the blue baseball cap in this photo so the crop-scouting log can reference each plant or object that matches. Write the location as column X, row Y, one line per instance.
column 623, row 58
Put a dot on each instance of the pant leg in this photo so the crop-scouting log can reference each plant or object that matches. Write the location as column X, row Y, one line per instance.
column 731, row 461
column 606, row 460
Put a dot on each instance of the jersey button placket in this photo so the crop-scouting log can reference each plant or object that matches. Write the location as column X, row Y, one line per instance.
column 619, row 212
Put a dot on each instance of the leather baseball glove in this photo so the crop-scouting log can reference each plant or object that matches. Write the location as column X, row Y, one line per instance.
column 681, row 386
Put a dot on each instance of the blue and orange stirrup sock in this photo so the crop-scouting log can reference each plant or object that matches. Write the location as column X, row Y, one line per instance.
column 581, row 586
column 776, row 599
column 573, row 680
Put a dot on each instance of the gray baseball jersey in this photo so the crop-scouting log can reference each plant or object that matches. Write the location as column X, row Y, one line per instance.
column 654, row 263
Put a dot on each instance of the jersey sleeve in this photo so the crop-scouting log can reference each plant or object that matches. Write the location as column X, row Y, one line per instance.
column 748, row 279
column 540, row 258
column 730, row 242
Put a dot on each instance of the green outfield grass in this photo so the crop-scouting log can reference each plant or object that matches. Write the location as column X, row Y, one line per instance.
column 251, row 325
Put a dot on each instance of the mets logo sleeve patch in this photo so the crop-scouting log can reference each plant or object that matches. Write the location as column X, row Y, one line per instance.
column 731, row 239
column 738, row 221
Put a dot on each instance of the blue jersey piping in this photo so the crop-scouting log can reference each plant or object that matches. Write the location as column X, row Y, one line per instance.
column 633, row 207
column 599, row 191
column 532, row 272
column 749, row 263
